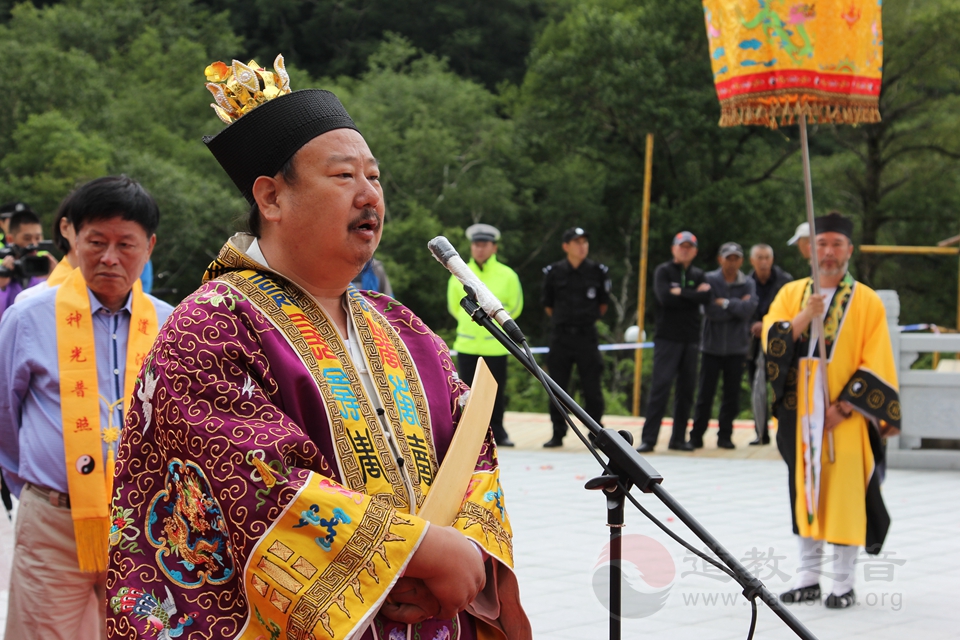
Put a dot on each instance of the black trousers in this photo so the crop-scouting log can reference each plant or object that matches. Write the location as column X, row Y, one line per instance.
column 671, row 360
column 711, row 367
column 467, row 367
column 575, row 345
column 752, row 359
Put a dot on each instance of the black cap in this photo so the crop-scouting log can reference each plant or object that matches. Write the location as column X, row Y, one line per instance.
column 572, row 233
column 9, row 209
column 261, row 142
column 730, row 249
column 834, row 222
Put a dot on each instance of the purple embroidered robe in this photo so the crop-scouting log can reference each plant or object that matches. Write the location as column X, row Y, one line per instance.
column 227, row 431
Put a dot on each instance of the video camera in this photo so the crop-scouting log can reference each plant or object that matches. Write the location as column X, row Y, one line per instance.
column 27, row 264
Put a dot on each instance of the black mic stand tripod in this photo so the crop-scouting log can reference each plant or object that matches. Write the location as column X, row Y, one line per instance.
column 623, row 469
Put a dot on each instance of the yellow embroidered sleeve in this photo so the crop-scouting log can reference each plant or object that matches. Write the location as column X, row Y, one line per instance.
column 323, row 570
column 483, row 515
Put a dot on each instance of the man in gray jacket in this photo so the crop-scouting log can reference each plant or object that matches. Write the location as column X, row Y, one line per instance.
column 724, row 343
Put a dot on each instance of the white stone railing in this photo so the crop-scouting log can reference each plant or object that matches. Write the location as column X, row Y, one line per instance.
column 929, row 400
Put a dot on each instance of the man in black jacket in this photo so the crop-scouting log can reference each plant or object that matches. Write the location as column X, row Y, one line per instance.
column 768, row 279
column 680, row 290
column 726, row 340
column 575, row 294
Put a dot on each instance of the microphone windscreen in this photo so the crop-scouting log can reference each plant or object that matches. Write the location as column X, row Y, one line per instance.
column 441, row 249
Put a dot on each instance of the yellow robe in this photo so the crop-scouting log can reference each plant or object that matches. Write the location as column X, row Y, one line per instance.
column 838, row 502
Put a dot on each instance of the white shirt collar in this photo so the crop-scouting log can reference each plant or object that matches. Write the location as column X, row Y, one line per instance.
column 254, row 253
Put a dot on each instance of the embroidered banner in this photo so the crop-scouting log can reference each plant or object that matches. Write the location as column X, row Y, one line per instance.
column 774, row 60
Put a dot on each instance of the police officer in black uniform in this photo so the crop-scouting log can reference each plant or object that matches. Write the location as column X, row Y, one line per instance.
column 576, row 292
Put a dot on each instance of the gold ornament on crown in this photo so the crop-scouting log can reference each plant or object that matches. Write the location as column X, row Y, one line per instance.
column 240, row 88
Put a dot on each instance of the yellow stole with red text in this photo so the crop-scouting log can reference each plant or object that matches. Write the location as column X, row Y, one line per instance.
column 89, row 479
column 60, row 273
column 363, row 454
column 308, row 585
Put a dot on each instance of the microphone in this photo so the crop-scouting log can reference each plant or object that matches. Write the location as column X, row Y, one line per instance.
column 446, row 255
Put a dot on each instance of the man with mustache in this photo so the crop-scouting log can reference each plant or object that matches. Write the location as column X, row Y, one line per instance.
column 290, row 426
column 834, row 449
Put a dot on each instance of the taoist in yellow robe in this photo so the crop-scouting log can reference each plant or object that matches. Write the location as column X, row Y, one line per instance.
column 834, row 453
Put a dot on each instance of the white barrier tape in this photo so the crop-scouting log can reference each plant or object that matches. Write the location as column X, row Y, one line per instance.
column 604, row 347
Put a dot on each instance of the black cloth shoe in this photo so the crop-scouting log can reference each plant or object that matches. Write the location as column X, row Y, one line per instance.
column 553, row 442
column 764, row 440
column 696, row 441
column 840, row 602
column 804, row 594
column 680, row 446
column 506, row 442
column 725, row 444
column 645, row 447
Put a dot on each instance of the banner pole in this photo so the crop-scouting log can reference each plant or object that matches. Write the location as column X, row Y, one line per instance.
column 642, row 274
column 815, row 273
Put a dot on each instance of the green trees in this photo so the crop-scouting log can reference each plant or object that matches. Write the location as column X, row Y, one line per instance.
column 444, row 154
column 486, row 40
column 99, row 86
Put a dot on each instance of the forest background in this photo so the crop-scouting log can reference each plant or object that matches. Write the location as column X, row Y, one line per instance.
column 526, row 114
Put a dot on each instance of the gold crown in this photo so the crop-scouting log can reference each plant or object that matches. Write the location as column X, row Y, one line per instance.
column 241, row 88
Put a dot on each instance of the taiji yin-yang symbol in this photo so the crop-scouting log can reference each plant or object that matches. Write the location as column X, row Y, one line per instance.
column 85, row 464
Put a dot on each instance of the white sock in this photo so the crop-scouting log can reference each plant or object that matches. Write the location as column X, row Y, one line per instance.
column 844, row 574
column 811, row 560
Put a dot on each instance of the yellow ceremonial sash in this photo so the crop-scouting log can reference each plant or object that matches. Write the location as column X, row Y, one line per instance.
column 60, row 273
column 835, row 313
column 320, row 569
column 365, row 460
column 89, row 480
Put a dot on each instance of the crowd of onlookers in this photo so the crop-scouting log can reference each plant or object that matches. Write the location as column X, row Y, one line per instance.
column 717, row 316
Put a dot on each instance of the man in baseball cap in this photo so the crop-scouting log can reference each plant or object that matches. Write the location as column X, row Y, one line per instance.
column 681, row 290
column 801, row 238
column 724, row 344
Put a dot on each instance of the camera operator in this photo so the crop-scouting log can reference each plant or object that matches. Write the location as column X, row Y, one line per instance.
column 20, row 267
column 65, row 239
column 6, row 212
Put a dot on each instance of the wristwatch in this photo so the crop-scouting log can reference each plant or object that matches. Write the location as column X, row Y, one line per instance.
column 726, row 303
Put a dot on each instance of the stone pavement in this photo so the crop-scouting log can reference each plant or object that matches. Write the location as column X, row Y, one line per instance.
column 559, row 535
column 740, row 496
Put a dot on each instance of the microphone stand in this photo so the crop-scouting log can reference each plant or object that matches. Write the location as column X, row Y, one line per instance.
column 626, row 467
